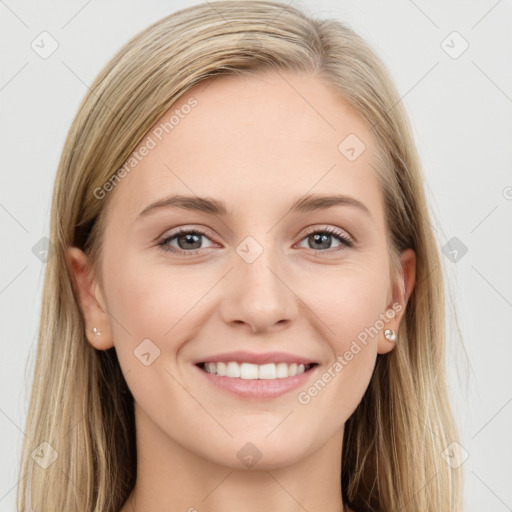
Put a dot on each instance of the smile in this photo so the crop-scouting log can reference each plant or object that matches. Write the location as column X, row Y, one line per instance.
column 249, row 371
column 256, row 381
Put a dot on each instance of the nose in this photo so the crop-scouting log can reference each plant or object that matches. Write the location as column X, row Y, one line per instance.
column 258, row 295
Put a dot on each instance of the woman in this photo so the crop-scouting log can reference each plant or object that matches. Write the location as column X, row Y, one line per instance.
column 292, row 357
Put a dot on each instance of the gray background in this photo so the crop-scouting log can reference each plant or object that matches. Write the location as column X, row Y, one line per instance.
column 461, row 112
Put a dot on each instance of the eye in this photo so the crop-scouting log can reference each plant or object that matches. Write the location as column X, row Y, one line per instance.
column 189, row 241
column 185, row 239
column 322, row 238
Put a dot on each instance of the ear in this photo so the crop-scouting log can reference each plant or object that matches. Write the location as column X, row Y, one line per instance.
column 402, row 289
column 91, row 301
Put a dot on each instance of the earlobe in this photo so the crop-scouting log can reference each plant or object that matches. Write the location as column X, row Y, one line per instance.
column 402, row 290
column 91, row 302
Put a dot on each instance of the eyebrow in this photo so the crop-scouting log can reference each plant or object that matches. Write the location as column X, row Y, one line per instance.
column 309, row 203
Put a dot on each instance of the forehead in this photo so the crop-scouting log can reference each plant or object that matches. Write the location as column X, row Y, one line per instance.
column 254, row 141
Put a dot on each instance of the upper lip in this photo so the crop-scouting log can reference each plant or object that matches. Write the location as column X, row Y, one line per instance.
column 254, row 358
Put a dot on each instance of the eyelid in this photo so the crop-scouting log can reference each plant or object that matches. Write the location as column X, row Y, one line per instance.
column 187, row 229
column 346, row 240
column 329, row 229
column 205, row 232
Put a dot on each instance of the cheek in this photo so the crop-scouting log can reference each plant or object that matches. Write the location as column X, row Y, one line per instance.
column 158, row 301
column 152, row 299
column 153, row 310
column 349, row 314
column 347, row 301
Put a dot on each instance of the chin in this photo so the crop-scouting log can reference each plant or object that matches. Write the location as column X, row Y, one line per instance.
column 258, row 454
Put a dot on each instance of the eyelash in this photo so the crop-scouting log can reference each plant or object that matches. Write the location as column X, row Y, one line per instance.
column 163, row 244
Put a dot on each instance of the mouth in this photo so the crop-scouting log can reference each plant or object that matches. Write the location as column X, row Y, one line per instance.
column 250, row 371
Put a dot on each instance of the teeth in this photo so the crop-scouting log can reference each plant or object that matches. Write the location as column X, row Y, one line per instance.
column 251, row 371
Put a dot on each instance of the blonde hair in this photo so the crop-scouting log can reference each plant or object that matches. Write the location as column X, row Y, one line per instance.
column 80, row 404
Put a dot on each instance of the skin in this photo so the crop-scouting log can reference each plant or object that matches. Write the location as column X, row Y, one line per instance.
column 257, row 145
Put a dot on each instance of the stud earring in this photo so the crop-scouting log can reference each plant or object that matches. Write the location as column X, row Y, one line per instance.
column 390, row 334
column 96, row 331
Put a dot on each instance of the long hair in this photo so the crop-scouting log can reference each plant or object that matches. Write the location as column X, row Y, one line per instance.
column 80, row 404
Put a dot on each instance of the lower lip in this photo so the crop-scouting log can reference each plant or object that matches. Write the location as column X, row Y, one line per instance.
column 262, row 389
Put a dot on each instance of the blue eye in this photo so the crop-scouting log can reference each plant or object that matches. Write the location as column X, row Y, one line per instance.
column 191, row 239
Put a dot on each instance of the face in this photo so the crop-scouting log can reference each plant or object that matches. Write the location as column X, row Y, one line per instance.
column 263, row 276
